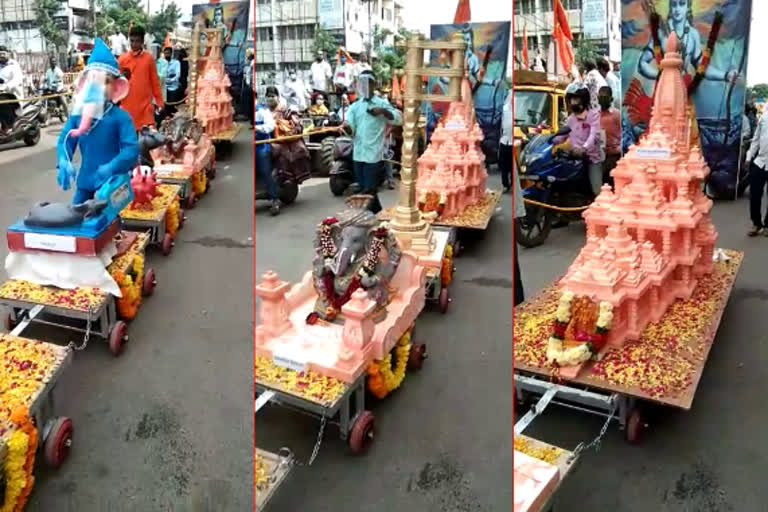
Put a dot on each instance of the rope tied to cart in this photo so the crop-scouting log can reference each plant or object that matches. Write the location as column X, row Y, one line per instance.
column 36, row 98
column 556, row 208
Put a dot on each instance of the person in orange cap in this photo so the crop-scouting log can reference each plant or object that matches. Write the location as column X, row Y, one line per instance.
column 139, row 67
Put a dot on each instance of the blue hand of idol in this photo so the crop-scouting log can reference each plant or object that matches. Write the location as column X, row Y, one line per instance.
column 66, row 173
column 104, row 172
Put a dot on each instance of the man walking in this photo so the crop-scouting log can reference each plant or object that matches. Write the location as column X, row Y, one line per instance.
column 757, row 156
column 138, row 67
column 118, row 43
column 368, row 118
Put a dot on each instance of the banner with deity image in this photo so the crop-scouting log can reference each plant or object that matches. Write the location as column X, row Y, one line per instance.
column 714, row 39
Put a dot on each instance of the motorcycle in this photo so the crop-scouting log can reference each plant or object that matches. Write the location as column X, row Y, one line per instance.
column 53, row 107
column 26, row 127
column 287, row 185
column 342, row 174
column 555, row 178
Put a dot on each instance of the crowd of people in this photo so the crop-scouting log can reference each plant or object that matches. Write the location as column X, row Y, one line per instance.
column 363, row 110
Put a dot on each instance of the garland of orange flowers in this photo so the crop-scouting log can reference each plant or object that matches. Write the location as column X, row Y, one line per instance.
column 19, row 462
column 130, row 288
column 381, row 379
column 446, row 271
column 172, row 217
column 199, row 180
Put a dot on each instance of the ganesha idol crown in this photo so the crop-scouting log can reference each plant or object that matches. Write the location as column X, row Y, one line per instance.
column 648, row 241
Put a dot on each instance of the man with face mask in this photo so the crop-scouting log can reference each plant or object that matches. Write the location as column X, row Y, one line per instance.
column 13, row 84
column 321, row 73
column 138, row 67
column 368, row 118
column 585, row 138
column 173, row 92
column 361, row 67
column 342, row 77
column 610, row 123
column 295, row 93
column 264, row 127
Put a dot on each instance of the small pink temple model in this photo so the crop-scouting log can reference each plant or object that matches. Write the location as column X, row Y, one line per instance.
column 648, row 241
column 451, row 171
column 214, row 103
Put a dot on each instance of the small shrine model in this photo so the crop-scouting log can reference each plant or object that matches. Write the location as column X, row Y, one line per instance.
column 213, row 103
column 648, row 241
column 452, row 173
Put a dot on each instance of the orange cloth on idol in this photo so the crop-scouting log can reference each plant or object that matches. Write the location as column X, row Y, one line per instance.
column 145, row 85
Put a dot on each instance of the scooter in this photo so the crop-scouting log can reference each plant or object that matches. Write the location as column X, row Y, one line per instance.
column 555, row 178
column 26, row 127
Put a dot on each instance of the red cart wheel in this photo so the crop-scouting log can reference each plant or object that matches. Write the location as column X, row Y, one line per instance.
column 150, row 282
column 10, row 323
column 190, row 201
column 636, row 426
column 58, row 442
column 361, row 433
column 182, row 218
column 167, row 245
column 118, row 337
column 445, row 299
column 417, row 356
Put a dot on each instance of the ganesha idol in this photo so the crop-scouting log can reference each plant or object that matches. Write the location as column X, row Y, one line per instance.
column 352, row 251
column 92, row 90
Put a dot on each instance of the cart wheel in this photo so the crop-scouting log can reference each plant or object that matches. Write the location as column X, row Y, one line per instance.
column 118, row 337
column 150, row 282
column 58, row 442
column 417, row 356
column 10, row 323
column 636, row 426
column 167, row 245
column 190, row 201
column 361, row 433
column 182, row 218
column 445, row 299
column 212, row 172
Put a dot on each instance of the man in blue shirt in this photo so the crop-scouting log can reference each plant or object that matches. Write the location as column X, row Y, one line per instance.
column 173, row 91
column 368, row 118
column 263, row 129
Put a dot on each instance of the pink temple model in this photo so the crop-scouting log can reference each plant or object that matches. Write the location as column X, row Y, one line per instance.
column 534, row 482
column 451, row 171
column 214, row 103
column 648, row 241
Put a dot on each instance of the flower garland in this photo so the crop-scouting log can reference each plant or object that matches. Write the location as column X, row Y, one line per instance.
column 130, row 288
column 172, row 217
column 381, row 379
column 19, row 462
column 446, row 271
column 372, row 255
column 589, row 344
column 199, row 182
column 327, row 245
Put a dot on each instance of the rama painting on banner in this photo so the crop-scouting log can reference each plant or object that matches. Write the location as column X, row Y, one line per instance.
column 714, row 38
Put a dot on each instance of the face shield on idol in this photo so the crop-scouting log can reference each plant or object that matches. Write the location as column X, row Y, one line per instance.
column 365, row 86
column 93, row 89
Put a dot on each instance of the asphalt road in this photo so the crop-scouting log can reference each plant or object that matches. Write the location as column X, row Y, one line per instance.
column 709, row 459
column 443, row 440
column 169, row 421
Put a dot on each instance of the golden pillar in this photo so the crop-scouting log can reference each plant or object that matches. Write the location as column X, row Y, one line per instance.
column 408, row 225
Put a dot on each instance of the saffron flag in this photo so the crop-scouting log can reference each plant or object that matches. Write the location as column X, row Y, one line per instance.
column 525, row 48
column 561, row 34
column 463, row 12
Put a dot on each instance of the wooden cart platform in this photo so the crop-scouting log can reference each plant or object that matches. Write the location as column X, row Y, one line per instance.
column 473, row 217
column 226, row 135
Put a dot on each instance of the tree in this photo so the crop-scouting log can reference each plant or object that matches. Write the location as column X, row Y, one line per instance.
column 389, row 58
column 126, row 12
column 164, row 21
column 585, row 49
column 757, row 91
column 53, row 34
column 325, row 42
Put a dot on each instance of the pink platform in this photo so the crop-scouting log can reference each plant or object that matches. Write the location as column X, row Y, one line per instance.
column 452, row 167
column 214, row 103
column 650, row 239
column 196, row 157
column 339, row 350
column 534, row 482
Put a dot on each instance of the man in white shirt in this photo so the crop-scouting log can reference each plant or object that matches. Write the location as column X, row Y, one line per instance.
column 361, row 67
column 757, row 156
column 593, row 81
column 54, row 82
column 604, row 67
column 12, row 83
column 295, row 93
column 343, row 75
column 118, row 42
column 321, row 73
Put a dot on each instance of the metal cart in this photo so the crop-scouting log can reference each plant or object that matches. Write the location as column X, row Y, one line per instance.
column 155, row 224
column 277, row 466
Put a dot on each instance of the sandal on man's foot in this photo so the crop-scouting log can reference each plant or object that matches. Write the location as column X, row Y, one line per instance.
column 754, row 231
